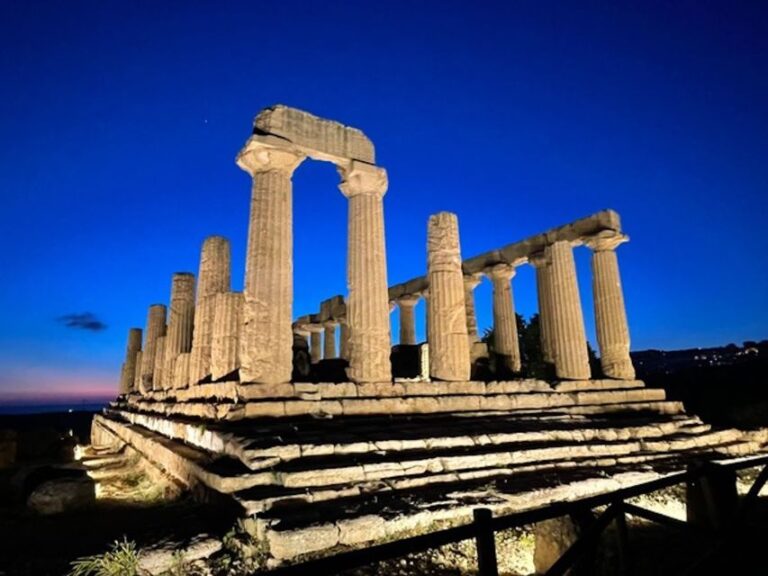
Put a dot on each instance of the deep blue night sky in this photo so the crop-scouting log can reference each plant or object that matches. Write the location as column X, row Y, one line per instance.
column 121, row 121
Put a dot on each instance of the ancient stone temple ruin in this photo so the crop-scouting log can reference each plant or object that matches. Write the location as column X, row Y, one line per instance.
column 324, row 447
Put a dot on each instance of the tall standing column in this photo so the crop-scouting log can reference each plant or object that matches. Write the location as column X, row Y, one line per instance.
column 158, row 378
column 155, row 328
column 568, row 338
column 368, row 302
column 505, row 337
column 315, row 342
column 266, row 344
column 449, row 348
column 213, row 278
column 180, row 323
column 471, row 282
column 329, row 341
column 407, row 319
column 227, row 322
column 610, row 312
column 128, row 373
column 543, row 293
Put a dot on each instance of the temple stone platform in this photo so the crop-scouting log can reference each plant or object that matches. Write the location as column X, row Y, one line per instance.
column 321, row 467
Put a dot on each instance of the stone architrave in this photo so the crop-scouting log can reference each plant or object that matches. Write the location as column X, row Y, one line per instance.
column 407, row 305
column 329, row 341
column 471, row 281
column 158, row 377
column 155, row 329
column 610, row 312
column 128, row 373
column 315, row 342
column 266, row 342
column 213, row 278
column 569, row 341
column 180, row 324
column 449, row 345
column 543, row 293
column 364, row 185
column 227, row 322
column 505, row 336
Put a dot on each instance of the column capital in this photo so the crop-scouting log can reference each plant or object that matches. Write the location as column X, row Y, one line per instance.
column 605, row 240
column 539, row 259
column 408, row 301
column 500, row 272
column 315, row 328
column 361, row 178
column 255, row 158
column 471, row 281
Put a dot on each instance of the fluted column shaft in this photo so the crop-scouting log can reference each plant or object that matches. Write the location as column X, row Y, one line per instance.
column 180, row 324
column 315, row 343
column 213, row 278
column 137, row 386
column 329, row 341
column 344, row 340
column 544, row 296
column 449, row 348
column 158, row 378
column 610, row 312
column 225, row 336
column 505, row 336
column 266, row 344
column 128, row 372
column 407, row 320
column 155, row 328
column 368, row 301
column 470, row 283
column 568, row 337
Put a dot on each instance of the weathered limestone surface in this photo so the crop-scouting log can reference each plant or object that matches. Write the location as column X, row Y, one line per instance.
column 504, row 321
column 471, row 281
column 136, row 387
column 181, row 370
column 344, row 340
column 266, row 342
column 407, row 319
column 227, row 322
column 180, row 323
column 367, row 304
column 544, row 296
column 213, row 278
column 316, row 137
column 610, row 313
column 568, row 337
column 158, row 378
column 155, row 329
column 449, row 345
column 128, row 372
column 329, row 341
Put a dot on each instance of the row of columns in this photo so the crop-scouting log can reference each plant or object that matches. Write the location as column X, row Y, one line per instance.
column 563, row 337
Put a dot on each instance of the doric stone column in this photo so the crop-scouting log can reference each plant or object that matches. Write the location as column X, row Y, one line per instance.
column 266, row 344
column 137, row 376
column 471, row 282
column 213, row 278
column 610, row 313
column 407, row 319
column 181, row 370
column 158, row 379
column 227, row 322
column 425, row 296
column 155, row 329
column 449, row 347
column 329, row 341
column 315, row 342
column 544, row 294
column 180, row 323
column 344, row 340
column 505, row 337
column 569, row 342
column 128, row 373
column 368, row 300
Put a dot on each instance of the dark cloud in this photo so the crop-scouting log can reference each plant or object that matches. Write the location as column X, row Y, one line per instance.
column 84, row 321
